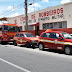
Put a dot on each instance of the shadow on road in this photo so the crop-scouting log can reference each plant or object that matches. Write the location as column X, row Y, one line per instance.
column 26, row 47
column 46, row 49
column 54, row 51
column 7, row 43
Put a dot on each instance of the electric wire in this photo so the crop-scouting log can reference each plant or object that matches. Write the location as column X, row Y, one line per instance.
column 21, row 5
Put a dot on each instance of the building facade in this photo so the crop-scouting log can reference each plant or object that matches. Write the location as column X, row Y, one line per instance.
column 50, row 18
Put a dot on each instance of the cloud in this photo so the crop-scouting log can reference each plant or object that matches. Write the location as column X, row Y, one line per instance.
column 36, row 5
column 65, row 1
column 45, row 0
column 11, row 8
column 14, row 14
column 1, row 22
column 30, row 9
column 33, row 7
column 2, row 11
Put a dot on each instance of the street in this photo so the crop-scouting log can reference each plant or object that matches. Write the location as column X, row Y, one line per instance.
column 22, row 59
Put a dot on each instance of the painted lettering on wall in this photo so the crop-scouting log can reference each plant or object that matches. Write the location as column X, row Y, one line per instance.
column 32, row 20
column 51, row 12
column 33, row 16
column 44, row 16
column 15, row 21
column 43, row 19
column 58, row 16
column 23, row 18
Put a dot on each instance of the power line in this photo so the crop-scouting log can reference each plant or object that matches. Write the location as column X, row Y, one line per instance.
column 12, row 10
column 17, row 7
column 20, row 5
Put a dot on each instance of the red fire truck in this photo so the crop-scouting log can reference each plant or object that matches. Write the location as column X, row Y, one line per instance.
column 7, row 32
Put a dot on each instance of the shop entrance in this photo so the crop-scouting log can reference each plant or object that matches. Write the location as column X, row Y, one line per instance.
column 37, row 30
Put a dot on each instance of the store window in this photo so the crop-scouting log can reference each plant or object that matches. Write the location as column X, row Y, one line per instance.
column 64, row 24
column 44, row 26
column 60, row 24
column 48, row 26
column 51, row 25
column 55, row 25
column 30, row 27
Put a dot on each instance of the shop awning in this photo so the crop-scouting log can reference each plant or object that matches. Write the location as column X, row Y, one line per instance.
column 35, row 24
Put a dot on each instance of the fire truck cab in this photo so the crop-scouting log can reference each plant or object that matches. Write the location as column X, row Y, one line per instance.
column 7, row 32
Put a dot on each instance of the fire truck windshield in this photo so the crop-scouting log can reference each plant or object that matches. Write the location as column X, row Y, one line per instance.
column 11, row 28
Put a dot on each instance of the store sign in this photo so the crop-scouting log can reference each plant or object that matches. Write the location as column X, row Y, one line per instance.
column 52, row 14
column 31, row 20
column 58, row 16
column 43, row 16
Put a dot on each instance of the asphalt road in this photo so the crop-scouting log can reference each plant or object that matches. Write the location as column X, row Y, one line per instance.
column 22, row 59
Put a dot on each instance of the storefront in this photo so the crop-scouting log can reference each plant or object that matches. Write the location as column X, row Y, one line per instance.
column 50, row 18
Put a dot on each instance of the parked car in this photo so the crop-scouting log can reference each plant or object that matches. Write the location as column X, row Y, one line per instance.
column 56, row 40
column 25, row 38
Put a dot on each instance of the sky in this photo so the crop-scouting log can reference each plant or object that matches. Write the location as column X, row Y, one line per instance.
column 12, row 8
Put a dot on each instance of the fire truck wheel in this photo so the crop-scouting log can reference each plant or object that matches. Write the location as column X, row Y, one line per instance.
column 68, row 50
column 28, row 44
column 41, row 46
column 14, row 42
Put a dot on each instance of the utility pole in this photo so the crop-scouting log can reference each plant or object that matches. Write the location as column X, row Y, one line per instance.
column 26, row 15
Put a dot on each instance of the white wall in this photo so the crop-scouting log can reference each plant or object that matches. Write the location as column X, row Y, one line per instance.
column 34, row 16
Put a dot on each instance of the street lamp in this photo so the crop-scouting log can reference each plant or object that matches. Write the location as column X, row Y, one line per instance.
column 33, row 5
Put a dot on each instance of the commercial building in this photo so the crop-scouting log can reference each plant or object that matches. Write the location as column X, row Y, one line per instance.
column 50, row 18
